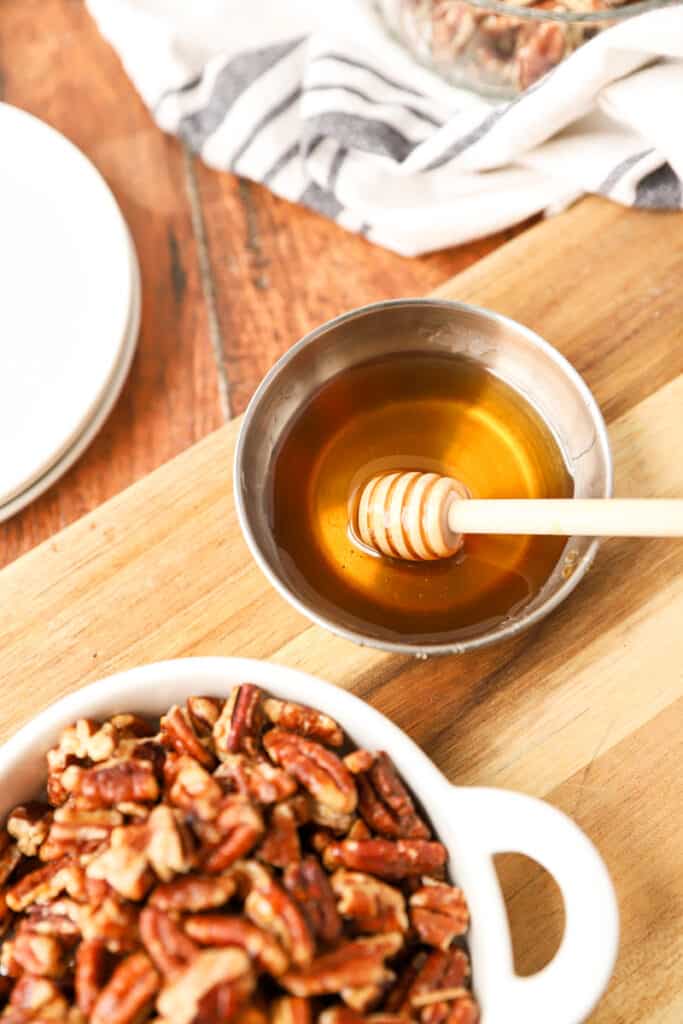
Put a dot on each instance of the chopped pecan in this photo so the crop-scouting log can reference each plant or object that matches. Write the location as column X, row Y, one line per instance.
column 441, row 974
column 269, row 907
column 169, row 847
column 281, row 845
column 204, row 713
column 128, row 993
column 167, row 944
column 90, row 973
column 115, row 921
column 354, row 964
column 46, row 883
column 179, row 1001
column 124, row 863
column 383, row 801
column 178, row 733
column 438, row 913
column 10, row 855
column 385, row 858
column 303, row 720
column 240, row 722
column 37, row 954
column 256, row 778
column 318, row 770
column 224, row 930
column 241, row 826
column 192, row 788
column 29, row 825
column 291, row 1010
column 307, row 883
column 373, row 906
column 111, row 782
column 194, row 893
column 35, row 999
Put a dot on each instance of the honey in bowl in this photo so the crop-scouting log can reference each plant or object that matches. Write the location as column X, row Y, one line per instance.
column 411, row 411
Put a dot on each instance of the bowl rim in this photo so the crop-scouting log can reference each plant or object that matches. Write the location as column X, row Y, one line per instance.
column 503, row 631
column 607, row 15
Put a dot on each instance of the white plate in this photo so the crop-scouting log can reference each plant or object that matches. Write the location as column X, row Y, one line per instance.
column 66, row 290
column 93, row 427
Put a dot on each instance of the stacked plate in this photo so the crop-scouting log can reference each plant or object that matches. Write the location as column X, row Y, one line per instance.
column 69, row 306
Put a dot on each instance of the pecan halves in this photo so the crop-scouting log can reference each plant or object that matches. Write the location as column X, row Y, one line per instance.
column 112, row 782
column 225, row 930
column 89, row 974
column 303, row 720
column 384, row 803
column 35, row 999
column 46, row 883
column 179, row 1001
column 178, row 733
column 308, row 884
column 241, row 826
column 371, row 905
column 269, row 907
column 239, row 726
column 393, row 860
column 194, row 893
column 204, row 713
column 165, row 941
column 291, row 1010
column 438, row 986
column 256, row 778
column 77, row 830
column 438, row 913
column 29, row 825
column 128, row 993
column 42, row 955
column 354, row 964
column 318, row 770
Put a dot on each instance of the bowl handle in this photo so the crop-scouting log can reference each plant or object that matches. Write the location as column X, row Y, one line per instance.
column 565, row 990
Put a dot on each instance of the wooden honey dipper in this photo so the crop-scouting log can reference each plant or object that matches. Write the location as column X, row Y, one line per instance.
column 423, row 516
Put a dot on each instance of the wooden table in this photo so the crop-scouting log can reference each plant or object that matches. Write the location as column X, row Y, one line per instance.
column 231, row 275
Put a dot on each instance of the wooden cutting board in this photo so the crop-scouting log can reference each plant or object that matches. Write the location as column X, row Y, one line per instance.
column 589, row 715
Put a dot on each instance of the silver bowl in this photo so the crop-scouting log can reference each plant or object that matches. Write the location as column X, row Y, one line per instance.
column 517, row 355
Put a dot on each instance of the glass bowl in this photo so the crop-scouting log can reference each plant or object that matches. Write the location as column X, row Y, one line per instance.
column 497, row 48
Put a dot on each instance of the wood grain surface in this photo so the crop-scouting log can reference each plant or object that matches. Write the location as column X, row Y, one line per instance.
column 587, row 714
column 231, row 275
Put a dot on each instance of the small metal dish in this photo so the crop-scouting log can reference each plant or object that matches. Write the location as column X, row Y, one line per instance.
column 517, row 355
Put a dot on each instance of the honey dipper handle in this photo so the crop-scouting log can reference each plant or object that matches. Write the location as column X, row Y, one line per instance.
column 570, row 517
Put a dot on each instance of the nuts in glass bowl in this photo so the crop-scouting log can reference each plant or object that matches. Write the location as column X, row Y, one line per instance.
column 236, row 861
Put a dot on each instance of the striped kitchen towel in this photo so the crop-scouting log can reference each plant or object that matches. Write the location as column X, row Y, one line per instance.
column 314, row 99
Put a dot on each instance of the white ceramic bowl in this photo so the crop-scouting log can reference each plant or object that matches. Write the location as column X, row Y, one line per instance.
column 474, row 824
